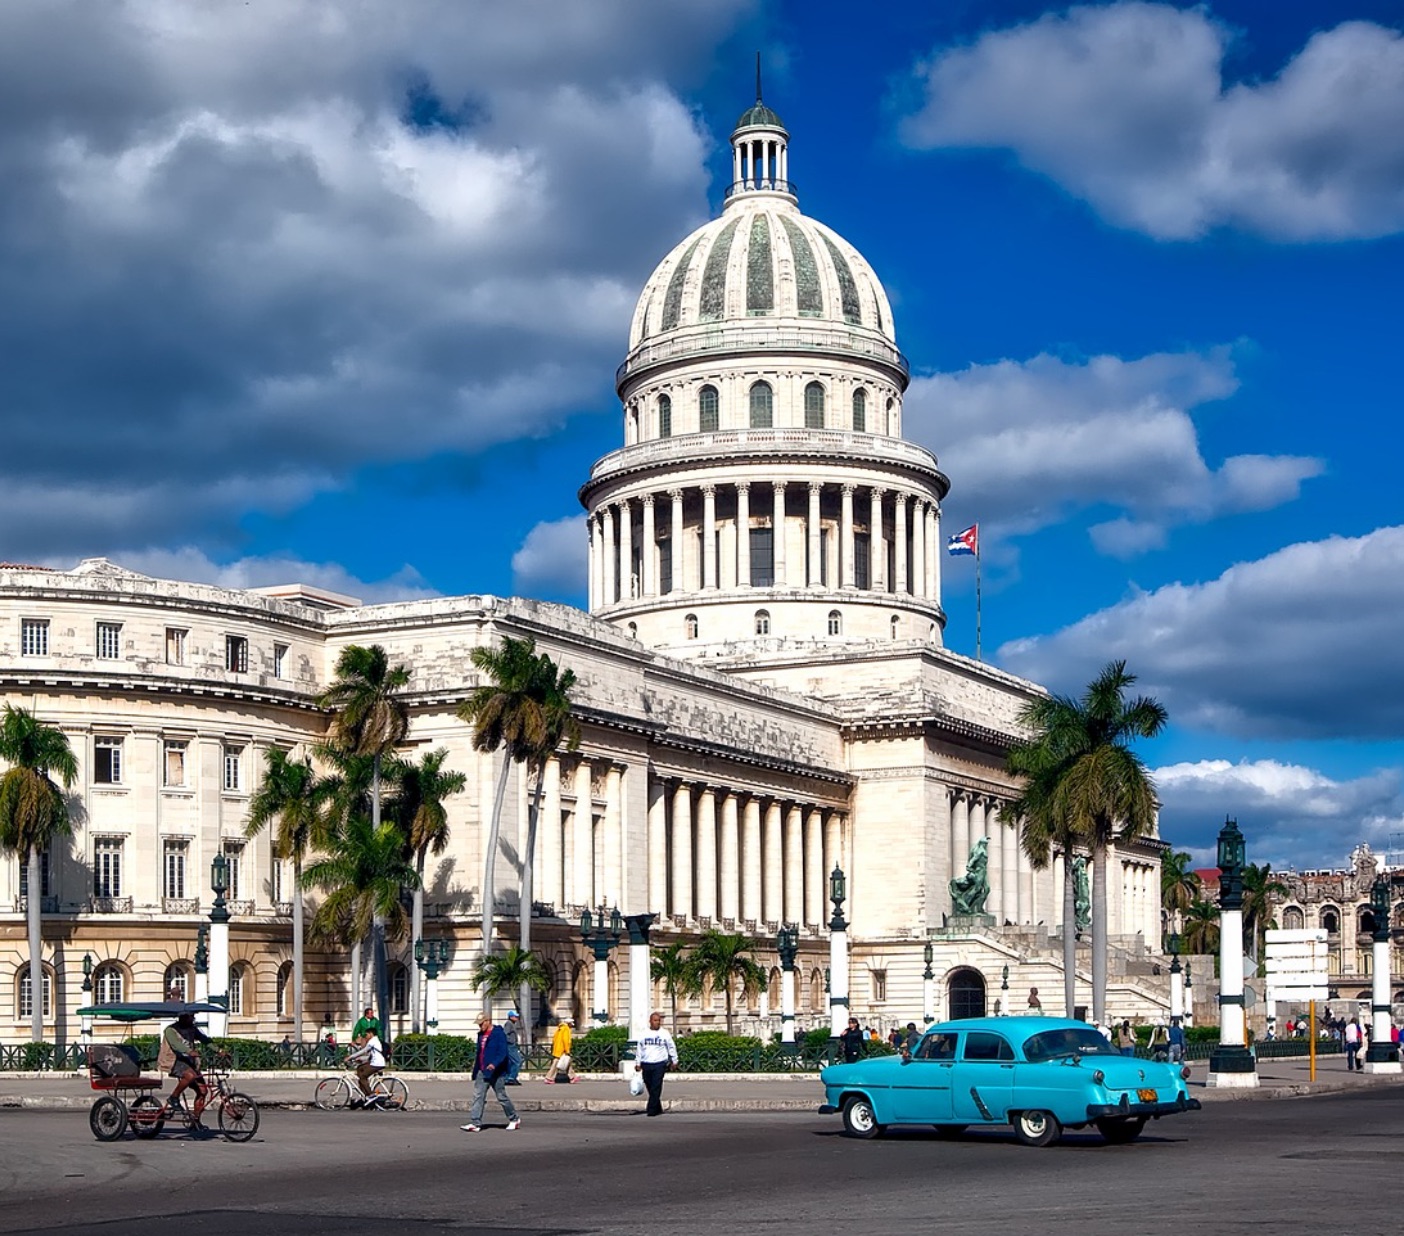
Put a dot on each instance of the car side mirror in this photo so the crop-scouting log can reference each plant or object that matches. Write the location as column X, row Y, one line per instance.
column 906, row 1056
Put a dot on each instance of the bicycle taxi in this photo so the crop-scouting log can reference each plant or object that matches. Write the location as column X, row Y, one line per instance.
column 130, row 1095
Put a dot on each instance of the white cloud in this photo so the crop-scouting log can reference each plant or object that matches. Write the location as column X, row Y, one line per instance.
column 1301, row 644
column 1031, row 442
column 1293, row 815
column 1126, row 106
column 552, row 560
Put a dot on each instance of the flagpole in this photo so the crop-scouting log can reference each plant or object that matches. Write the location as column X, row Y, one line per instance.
column 977, row 600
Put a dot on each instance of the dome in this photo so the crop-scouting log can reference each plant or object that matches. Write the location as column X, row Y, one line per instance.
column 759, row 116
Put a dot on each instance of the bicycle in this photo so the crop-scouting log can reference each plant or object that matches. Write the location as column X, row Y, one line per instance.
column 146, row 1115
column 388, row 1093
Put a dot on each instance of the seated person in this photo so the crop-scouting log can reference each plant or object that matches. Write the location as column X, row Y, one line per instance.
column 183, row 1038
column 369, row 1059
column 937, row 1047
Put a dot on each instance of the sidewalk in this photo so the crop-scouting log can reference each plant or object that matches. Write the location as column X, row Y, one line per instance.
column 686, row 1092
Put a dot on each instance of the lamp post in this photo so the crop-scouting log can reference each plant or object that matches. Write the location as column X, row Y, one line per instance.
column 601, row 936
column 431, row 956
column 1231, row 1064
column 838, row 955
column 787, row 945
column 928, row 985
column 1382, row 1056
column 219, row 946
column 1004, row 992
column 202, row 963
column 640, row 972
column 1177, row 980
column 87, row 1021
column 1189, row 996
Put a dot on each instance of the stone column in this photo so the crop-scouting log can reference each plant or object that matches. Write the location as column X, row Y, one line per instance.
column 934, row 550
column 1009, row 889
column 682, row 851
column 1026, row 882
column 877, row 546
column 613, row 891
column 593, row 582
column 960, row 834
column 899, row 537
column 751, row 907
column 833, row 844
column 774, row 866
column 657, row 844
column 814, row 878
column 794, row 866
column 675, row 548
column 552, row 883
column 816, row 566
column 582, row 879
column 611, row 558
column 706, row 891
column 919, row 549
column 846, row 536
column 729, row 868
column 743, row 535
column 628, row 586
column 650, row 549
column 989, row 829
column 778, row 535
column 709, row 536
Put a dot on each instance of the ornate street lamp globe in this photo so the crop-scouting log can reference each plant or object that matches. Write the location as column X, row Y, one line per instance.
column 1231, row 848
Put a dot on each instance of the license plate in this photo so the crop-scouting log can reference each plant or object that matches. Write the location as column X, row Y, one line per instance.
column 1146, row 1096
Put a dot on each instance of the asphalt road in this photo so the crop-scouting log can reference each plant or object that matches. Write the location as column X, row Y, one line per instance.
column 1236, row 1167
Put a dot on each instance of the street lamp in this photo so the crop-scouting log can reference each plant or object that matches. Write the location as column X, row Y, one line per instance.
column 928, row 985
column 1382, row 1056
column 431, row 957
column 87, row 1025
column 640, row 928
column 1004, row 992
column 1177, row 979
column 838, row 954
column 1231, row 1063
column 219, row 945
column 601, row 936
column 787, row 945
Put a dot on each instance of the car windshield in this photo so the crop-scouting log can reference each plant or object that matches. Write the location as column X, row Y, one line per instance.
column 1069, row 1041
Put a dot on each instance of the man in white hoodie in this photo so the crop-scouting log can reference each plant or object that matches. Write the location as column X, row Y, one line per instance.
column 657, row 1054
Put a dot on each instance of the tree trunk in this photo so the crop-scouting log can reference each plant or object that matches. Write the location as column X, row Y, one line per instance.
column 382, row 978
column 524, row 909
column 490, row 856
column 1099, row 933
column 35, row 908
column 297, row 950
column 728, row 1006
column 416, row 935
column 357, row 1004
column 1069, row 937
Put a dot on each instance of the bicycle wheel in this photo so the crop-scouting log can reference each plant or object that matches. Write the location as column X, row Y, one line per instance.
column 332, row 1094
column 145, row 1117
column 238, row 1117
column 108, row 1119
column 396, row 1094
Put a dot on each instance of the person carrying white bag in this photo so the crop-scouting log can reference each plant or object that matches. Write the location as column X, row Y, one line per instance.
column 657, row 1054
column 560, row 1054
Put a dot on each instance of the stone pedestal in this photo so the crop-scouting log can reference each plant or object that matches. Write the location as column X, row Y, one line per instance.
column 1382, row 1058
column 967, row 924
column 1232, row 1068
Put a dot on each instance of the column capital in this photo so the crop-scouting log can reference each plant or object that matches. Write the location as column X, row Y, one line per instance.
column 848, row 487
column 675, row 494
column 816, row 487
column 647, row 499
column 877, row 491
column 743, row 487
column 708, row 490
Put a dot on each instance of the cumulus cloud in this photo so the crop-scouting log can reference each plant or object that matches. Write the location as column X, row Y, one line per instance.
column 1127, row 106
column 552, row 559
column 1301, row 644
column 1296, row 815
column 248, row 249
column 1033, row 441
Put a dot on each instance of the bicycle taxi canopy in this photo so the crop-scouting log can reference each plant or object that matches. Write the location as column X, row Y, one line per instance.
column 130, row 1010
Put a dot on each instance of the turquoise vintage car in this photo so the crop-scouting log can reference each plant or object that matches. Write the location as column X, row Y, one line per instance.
column 1039, row 1074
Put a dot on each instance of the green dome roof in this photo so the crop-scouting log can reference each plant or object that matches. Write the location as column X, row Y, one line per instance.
column 759, row 115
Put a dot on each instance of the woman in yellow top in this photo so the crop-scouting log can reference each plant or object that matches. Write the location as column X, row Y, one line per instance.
column 560, row 1053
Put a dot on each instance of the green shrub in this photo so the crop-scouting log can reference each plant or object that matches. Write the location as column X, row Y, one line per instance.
column 601, row 1036
column 448, row 1053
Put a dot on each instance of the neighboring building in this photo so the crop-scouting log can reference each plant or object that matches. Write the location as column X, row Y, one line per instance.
column 762, row 685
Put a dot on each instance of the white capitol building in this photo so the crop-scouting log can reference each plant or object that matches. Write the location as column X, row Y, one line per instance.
column 763, row 691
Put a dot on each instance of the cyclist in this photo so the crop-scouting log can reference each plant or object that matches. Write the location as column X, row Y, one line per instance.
column 183, row 1038
column 369, row 1059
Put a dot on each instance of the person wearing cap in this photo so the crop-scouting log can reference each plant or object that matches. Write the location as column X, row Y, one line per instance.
column 560, row 1053
column 366, row 1026
column 182, row 1040
column 490, row 1073
column 513, row 1033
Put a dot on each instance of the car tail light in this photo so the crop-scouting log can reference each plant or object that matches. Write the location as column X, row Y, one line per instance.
column 1185, row 1072
column 1098, row 1077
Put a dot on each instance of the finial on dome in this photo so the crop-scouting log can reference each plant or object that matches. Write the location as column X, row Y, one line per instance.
column 760, row 151
column 758, row 84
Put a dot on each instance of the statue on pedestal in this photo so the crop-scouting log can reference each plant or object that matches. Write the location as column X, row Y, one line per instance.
column 1082, row 898
column 968, row 891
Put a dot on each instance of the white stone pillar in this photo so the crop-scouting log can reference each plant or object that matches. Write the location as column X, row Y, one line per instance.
column 593, row 580
column 838, row 981
column 960, row 834
column 640, row 988
column 682, row 851
column 1382, row 1056
column 736, row 174
column 1027, row 912
column 751, row 907
column 774, row 865
column 877, row 547
column 675, row 547
column 778, row 535
column 1009, row 883
column 787, row 1005
column 743, row 535
column 219, row 973
column 657, row 844
column 611, row 558
column 833, row 845
column 815, row 565
column 582, row 876
column 814, row 878
column 431, row 999
column 846, row 536
column 899, row 537
column 706, row 892
column 934, row 549
column 1233, row 1025
column 650, row 549
column 794, row 867
column 628, row 583
column 709, row 536
column 613, row 892
column 920, row 582
column 729, row 868
column 552, row 882
column 1177, row 990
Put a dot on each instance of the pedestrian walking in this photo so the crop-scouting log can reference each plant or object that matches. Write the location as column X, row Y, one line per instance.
column 560, row 1054
column 490, row 1073
column 512, row 1032
column 1126, row 1039
column 1176, row 1036
column 913, row 1037
column 1352, row 1046
column 657, row 1054
column 851, row 1040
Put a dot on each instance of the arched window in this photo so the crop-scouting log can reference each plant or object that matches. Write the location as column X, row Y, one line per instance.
column 707, row 413
column 241, row 998
column 773, row 989
column 109, row 984
column 399, row 988
column 176, row 981
column 860, row 410
column 633, row 630
column 285, row 989
column 835, row 622
column 24, row 1003
column 762, row 406
column 965, row 994
column 762, row 622
column 1364, row 920
column 1292, row 919
column 665, row 416
column 814, row 406
column 892, row 417
column 690, row 626
column 1331, row 920
column 896, row 623
column 816, row 990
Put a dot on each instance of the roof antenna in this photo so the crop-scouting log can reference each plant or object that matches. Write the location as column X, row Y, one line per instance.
column 758, row 84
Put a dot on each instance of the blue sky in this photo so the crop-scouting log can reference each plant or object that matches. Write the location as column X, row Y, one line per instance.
column 336, row 292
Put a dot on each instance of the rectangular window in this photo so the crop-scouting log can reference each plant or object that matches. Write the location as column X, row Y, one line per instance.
column 665, row 566
column 879, row 986
column 109, row 641
column 234, row 857
column 26, row 995
column 275, row 880
column 43, row 875
column 280, row 660
column 107, row 761
column 236, row 654
column 233, row 769
column 762, row 557
column 236, row 991
column 175, row 645
column 107, row 867
column 174, row 772
column 862, row 563
column 173, row 869
column 34, row 637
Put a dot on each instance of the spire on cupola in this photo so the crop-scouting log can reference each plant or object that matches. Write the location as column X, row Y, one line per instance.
column 760, row 152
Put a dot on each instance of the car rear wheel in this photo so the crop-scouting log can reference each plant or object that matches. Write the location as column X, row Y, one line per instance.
column 949, row 1130
column 859, row 1119
column 1037, row 1128
column 1119, row 1130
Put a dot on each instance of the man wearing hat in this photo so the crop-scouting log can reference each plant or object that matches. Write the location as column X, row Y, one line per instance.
column 513, row 1032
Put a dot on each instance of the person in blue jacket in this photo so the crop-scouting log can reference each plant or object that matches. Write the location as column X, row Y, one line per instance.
column 490, row 1070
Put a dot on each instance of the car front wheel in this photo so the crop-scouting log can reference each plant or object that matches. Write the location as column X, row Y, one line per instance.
column 859, row 1119
column 1037, row 1128
column 1119, row 1130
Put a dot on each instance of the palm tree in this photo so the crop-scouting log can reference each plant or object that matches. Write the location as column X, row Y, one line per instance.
column 292, row 795
column 515, row 968
column 725, row 958
column 33, row 814
column 672, row 967
column 1179, row 886
column 525, row 711
column 1260, row 886
column 1098, row 788
column 1201, row 927
column 368, row 719
column 424, row 822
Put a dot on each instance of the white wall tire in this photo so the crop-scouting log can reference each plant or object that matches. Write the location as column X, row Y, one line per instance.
column 1037, row 1128
column 859, row 1119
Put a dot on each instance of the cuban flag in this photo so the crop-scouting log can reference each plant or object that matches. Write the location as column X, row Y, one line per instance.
column 967, row 542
